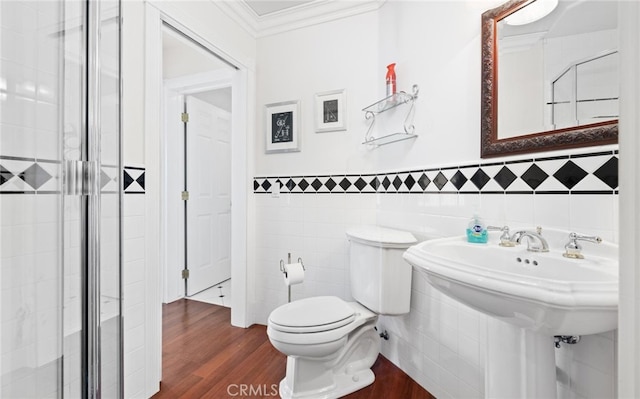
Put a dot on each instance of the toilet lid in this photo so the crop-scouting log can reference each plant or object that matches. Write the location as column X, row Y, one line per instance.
column 312, row 315
column 383, row 237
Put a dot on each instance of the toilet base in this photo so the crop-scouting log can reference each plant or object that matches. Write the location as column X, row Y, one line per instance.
column 344, row 385
column 337, row 375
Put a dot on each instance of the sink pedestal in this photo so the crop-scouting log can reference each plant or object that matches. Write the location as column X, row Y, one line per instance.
column 519, row 363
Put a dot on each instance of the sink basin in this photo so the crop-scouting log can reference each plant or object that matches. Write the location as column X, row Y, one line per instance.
column 530, row 297
column 542, row 292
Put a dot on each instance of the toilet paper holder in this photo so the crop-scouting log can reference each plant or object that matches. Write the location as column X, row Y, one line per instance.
column 283, row 269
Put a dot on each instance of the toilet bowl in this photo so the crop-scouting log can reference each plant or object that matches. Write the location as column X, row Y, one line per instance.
column 330, row 346
column 330, row 343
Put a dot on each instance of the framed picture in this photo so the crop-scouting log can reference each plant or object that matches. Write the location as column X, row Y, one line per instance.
column 282, row 131
column 331, row 111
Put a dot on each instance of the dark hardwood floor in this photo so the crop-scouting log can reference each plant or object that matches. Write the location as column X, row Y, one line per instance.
column 203, row 356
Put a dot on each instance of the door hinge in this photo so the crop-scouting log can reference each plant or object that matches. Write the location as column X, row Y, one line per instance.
column 185, row 274
column 185, row 196
column 185, row 117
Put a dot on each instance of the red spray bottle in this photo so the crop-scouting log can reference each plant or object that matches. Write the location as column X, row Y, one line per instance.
column 391, row 79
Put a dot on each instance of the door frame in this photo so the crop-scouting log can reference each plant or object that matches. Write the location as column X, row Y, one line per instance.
column 243, row 89
column 173, row 286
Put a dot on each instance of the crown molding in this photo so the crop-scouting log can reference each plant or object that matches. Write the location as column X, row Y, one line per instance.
column 308, row 14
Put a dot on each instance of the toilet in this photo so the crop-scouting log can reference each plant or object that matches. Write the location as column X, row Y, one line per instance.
column 331, row 344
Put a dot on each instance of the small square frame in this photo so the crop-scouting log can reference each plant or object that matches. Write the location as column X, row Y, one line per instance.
column 331, row 111
column 282, row 127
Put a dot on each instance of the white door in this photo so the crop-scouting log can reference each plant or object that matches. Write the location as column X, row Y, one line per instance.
column 209, row 204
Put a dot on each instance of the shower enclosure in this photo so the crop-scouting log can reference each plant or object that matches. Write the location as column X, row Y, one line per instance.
column 60, row 199
column 586, row 92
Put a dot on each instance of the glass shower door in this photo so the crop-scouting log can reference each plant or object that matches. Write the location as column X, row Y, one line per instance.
column 60, row 323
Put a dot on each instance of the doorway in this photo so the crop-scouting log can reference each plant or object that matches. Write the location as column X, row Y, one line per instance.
column 197, row 133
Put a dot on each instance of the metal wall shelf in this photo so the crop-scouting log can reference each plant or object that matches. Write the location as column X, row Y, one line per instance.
column 384, row 105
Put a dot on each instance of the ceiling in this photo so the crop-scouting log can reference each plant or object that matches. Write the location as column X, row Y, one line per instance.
column 266, row 7
column 267, row 17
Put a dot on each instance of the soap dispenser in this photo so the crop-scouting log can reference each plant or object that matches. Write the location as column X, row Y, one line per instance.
column 477, row 231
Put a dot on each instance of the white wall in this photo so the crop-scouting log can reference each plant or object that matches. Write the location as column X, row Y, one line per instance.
column 295, row 65
column 629, row 312
column 436, row 45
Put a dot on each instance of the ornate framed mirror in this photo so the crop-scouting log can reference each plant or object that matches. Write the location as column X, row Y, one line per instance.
column 574, row 100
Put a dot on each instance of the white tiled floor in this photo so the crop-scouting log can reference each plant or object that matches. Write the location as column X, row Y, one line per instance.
column 219, row 294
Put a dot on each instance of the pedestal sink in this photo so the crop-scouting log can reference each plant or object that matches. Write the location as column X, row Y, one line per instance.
column 530, row 297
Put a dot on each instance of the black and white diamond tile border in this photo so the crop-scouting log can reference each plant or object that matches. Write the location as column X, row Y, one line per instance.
column 133, row 180
column 591, row 173
column 19, row 175
column 109, row 179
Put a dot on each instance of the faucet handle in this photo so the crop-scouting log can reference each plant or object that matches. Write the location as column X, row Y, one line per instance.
column 505, row 237
column 573, row 249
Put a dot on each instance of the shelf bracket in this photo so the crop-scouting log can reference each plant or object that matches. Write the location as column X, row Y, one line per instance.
column 370, row 116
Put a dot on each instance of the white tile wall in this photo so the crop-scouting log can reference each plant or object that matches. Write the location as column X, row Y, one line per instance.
column 440, row 343
column 311, row 227
column 134, row 307
column 30, row 281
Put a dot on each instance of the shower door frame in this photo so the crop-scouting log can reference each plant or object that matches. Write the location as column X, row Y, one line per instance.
column 91, row 205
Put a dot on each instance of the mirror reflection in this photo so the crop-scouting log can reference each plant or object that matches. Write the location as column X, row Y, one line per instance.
column 558, row 71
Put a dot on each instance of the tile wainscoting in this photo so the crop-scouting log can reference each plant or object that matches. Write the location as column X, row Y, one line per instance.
column 440, row 342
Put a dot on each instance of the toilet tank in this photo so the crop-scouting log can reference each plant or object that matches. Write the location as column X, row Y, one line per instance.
column 380, row 278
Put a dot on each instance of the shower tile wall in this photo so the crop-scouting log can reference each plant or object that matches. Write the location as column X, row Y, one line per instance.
column 30, row 228
column 440, row 342
column 31, row 309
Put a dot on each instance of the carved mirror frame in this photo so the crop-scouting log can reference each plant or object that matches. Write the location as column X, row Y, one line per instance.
column 491, row 146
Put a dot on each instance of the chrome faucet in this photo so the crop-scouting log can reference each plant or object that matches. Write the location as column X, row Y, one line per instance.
column 573, row 248
column 505, row 238
column 540, row 246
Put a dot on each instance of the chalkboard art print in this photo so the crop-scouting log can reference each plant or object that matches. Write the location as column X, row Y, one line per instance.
column 282, row 127
column 330, row 110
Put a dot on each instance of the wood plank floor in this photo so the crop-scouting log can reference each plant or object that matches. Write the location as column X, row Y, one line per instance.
column 203, row 356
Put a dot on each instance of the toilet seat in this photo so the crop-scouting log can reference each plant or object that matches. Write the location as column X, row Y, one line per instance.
column 330, row 318
column 312, row 315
